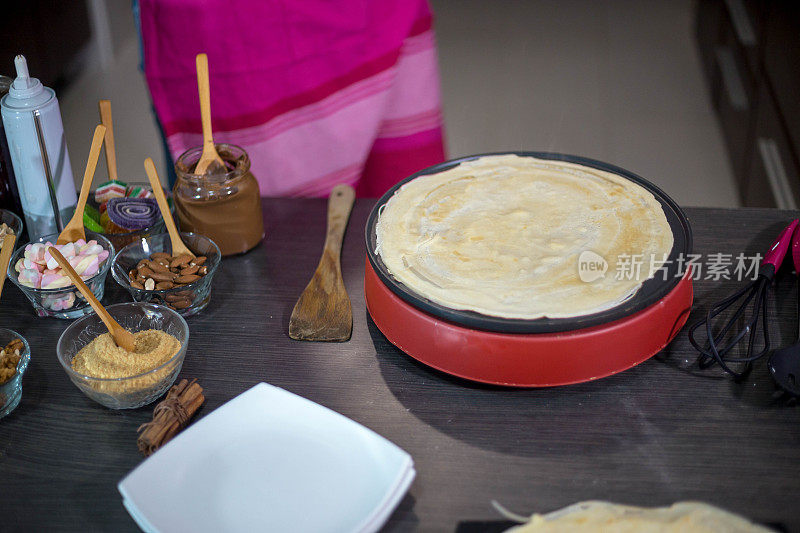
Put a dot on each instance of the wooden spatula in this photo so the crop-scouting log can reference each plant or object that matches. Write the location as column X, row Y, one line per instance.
column 74, row 230
column 210, row 161
column 122, row 336
column 5, row 257
column 178, row 248
column 111, row 154
column 323, row 312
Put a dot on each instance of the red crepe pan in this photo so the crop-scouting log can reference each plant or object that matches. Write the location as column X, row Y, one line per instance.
column 541, row 352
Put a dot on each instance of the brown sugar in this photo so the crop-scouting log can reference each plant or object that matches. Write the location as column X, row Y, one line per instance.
column 102, row 358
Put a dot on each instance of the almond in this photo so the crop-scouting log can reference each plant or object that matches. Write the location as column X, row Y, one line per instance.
column 158, row 267
column 163, row 276
column 189, row 270
column 180, row 261
column 181, row 304
column 164, row 285
column 189, row 278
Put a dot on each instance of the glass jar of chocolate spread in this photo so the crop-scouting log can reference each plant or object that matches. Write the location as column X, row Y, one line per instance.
column 224, row 206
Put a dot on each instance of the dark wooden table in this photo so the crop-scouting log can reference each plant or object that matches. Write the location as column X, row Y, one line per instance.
column 655, row 434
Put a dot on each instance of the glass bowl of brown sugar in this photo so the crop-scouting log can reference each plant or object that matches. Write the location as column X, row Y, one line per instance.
column 114, row 377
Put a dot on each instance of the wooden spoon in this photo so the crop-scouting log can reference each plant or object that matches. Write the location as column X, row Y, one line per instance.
column 210, row 162
column 5, row 258
column 111, row 155
column 74, row 230
column 323, row 312
column 122, row 336
column 178, row 248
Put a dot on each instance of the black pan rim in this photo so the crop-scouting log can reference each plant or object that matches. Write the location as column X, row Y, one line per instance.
column 649, row 293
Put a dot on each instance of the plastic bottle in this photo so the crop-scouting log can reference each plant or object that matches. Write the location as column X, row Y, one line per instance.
column 27, row 97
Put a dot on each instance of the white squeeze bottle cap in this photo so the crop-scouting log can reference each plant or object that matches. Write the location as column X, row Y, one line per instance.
column 24, row 86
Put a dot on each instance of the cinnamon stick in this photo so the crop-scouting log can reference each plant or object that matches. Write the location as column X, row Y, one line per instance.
column 170, row 416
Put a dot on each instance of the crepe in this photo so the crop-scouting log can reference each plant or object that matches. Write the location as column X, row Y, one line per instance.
column 596, row 516
column 504, row 235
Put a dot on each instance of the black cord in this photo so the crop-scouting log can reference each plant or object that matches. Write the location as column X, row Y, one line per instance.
column 715, row 351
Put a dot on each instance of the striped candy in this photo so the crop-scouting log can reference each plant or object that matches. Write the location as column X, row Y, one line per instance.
column 109, row 190
column 133, row 213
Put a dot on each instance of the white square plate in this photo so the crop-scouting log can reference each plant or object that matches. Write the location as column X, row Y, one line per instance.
column 269, row 460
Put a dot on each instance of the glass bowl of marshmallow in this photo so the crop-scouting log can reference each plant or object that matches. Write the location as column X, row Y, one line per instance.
column 50, row 291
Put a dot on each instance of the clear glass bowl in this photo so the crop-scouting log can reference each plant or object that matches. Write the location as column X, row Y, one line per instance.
column 187, row 300
column 13, row 222
column 11, row 391
column 66, row 302
column 120, row 240
column 134, row 391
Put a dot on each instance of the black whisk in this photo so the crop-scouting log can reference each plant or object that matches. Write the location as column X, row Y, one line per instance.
column 756, row 295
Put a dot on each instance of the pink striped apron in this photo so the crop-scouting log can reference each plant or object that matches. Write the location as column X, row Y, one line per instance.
column 318, row 92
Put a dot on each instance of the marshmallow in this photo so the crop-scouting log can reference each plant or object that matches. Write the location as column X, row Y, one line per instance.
column 30, row 278
column 68, row 250
column 55, row 281
column 86, row 266
column 35, row 252
column 27, row 263
column 60, row 302
column 92, row 249
column 38, row 269
column 50, row 261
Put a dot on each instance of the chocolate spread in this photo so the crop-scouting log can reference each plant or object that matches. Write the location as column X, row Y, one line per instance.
column 227, row 208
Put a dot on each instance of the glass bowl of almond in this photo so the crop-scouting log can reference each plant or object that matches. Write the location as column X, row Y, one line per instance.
column 151, row 273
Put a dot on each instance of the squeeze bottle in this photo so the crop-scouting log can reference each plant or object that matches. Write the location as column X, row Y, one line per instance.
column 27, row 100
